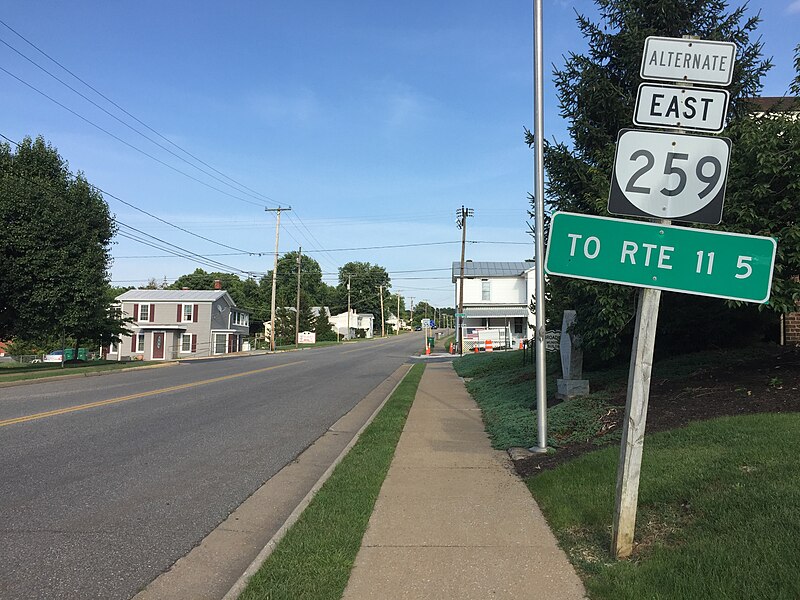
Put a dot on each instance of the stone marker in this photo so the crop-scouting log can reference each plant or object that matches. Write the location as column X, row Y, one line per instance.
column 572, row 384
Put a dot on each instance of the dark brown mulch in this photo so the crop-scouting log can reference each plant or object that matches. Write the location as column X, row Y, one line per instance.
column 769, row 383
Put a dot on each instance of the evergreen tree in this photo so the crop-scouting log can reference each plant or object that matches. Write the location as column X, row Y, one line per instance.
column 597, row 92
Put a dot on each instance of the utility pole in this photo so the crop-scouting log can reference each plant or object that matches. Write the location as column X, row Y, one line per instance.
column 397, row 332
column 297, row 308
column 461, row 221
column 274, row 275
column 411, row 300
column 348, row 307
column 383, row 322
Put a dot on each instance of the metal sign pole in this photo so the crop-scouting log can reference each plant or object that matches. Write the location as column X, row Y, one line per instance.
column 538, row 135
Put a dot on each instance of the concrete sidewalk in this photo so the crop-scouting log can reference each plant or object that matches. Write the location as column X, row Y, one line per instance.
column 452, row 519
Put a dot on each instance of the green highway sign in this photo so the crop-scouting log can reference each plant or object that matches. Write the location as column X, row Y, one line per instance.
column 461, row 314
column 693, row 261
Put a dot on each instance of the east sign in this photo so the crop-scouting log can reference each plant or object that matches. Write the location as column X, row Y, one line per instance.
column 693, row 109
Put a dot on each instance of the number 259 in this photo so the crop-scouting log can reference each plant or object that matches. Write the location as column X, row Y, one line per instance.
column 672, row 167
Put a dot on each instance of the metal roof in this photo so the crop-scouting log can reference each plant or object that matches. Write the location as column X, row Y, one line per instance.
column 491, row 269
column 173, row 295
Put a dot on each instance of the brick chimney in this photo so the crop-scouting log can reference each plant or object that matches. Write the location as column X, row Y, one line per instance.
column 217, row 284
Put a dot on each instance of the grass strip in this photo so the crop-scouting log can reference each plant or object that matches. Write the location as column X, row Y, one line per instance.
column 23, row 373
column 313, row 561
column 719, row 513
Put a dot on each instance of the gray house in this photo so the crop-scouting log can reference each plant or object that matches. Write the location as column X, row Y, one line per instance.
column 170, row 324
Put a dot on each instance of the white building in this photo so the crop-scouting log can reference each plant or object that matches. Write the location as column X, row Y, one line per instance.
column 497, row 298
column 395, row 323
column 356, row 321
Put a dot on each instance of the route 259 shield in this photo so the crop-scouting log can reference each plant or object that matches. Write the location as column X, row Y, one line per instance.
column 669, row 176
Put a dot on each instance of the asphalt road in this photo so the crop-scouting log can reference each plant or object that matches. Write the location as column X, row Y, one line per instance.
column 97, row 501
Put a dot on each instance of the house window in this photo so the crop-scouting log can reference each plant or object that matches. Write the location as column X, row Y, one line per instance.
column 187, row 313
column 220, row 343
column 235, row 317
column 485, row 295
column 144, row 312
column 517, row 324
column 186, row 342
column 140, row 342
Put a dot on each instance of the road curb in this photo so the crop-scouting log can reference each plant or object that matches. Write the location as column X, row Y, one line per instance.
column 265, row 552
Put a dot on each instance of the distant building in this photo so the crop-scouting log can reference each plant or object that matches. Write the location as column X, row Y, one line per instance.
column 356, row 321
column 784, row 107
column 497, row 298
column 171, row 324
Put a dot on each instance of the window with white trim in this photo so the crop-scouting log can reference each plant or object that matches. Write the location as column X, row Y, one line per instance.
column 187, row 313
column 144, row 312
column 140, row 342
column 186, row 342
column 485, row 290
column 220, row 343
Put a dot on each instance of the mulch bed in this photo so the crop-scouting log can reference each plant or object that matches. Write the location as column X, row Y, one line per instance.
column 768, row 384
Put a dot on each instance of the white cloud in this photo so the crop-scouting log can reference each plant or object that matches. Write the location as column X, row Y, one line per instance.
column 794, row 7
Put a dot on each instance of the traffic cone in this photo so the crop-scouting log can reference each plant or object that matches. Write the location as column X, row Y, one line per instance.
column 477, row 350
column 427, row 350
column 520, row 344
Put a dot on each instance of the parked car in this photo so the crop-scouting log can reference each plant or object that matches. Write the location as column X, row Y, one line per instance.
column 54, row 356
column 418, row 328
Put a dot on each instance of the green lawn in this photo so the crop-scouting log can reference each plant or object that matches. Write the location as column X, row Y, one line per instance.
column 719, row 503
column 21, row 372
column 719, row 513
column 314, row 560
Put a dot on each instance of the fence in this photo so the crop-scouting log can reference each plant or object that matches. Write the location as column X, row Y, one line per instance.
column 476, row 337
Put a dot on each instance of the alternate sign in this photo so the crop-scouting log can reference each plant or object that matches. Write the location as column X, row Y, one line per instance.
column 695, row 109
column 669, row 176
column 426, row 322
column 687, row 60
column 680, row 259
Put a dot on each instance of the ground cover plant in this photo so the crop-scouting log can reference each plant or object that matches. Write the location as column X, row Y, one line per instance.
column 314, row 560
column 719, row 504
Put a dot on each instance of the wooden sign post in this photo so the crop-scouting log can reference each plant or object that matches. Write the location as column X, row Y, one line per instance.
column 630, row 452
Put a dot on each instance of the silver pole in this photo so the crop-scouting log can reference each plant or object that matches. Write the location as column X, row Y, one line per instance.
column 538, row 136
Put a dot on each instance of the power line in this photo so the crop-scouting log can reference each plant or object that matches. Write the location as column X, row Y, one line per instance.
column 157, row 218
column 136, row 148
column 99, row 93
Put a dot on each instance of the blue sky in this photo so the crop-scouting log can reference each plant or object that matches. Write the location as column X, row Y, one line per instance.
column 374, row 121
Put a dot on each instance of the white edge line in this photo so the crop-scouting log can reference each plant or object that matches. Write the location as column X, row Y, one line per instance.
column 262, row 556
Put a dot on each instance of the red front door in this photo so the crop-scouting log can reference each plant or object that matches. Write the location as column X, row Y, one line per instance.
column 158, row 344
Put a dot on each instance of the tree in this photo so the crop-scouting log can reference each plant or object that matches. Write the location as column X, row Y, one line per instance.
column 365, row 289
column 246, row 294
column 55, row 243
column 597, row 92
column 323, row 328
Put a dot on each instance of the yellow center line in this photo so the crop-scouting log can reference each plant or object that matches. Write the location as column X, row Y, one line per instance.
column 174, row 388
